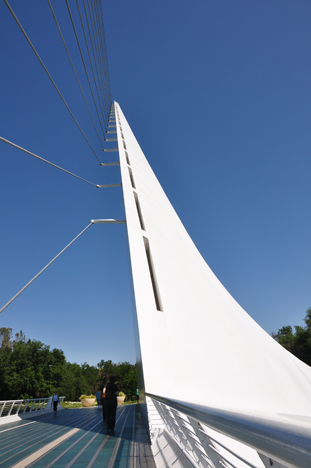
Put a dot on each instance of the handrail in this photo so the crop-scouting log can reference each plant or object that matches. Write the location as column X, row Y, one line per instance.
column 281, row 438
column 9, row 408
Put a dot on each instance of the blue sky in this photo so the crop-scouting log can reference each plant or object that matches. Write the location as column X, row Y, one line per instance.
column 218, row 95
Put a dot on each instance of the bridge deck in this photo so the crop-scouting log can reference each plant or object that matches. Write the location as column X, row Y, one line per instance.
column 78, row 438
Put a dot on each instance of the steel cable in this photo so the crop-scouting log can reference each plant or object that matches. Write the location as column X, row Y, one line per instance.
column 99, row 55
column 85, row 69
column 89, row 55
column 94, row 58
column 103, row 46
column 41, row 271
column 105, row 79
column 62, row 37
column 44, row 160
column 45, row 69
column 104, row 49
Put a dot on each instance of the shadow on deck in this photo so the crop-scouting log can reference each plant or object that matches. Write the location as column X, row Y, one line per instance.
column 79, row 438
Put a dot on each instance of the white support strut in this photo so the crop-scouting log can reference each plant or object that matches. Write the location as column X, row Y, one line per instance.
column 195, row 343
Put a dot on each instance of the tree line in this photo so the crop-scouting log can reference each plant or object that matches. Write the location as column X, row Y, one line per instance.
column 30, row 369
column 297, row 341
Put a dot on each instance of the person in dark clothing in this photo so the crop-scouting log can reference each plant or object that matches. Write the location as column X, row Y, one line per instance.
column 102, row 399
column 55, row 402
column 98, row 398
column 110, row 402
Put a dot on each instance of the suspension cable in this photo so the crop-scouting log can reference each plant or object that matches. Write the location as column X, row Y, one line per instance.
column 99, row 56
column 62, row 37
column 38, row 274
column 100, row 16
column 85, row 69
column 45, row 69
column 94, row 48
column 90, row 60
column 44, row 160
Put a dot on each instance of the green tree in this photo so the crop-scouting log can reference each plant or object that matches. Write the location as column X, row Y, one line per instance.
column 106, row 369
column 20, row 336
column 127, row 379
column 125, row 373
column 74, row 384
column 285, row 337
column 298, row 342
column 5, row 337
column 30, row 370
column 86, row 379
column 91, row 376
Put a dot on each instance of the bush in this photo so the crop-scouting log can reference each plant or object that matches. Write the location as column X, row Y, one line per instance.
column 84, row 397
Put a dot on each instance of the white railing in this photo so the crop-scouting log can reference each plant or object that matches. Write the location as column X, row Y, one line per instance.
column 212, row 438
column 22, row 407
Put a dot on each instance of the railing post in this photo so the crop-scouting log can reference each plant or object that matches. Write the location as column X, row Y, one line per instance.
column 2, row 408
column 26, row 406
column 12, row 405
column 21, row 402
column 33, row 402
column 37, row 404
column 10, row 408
column 49, row 403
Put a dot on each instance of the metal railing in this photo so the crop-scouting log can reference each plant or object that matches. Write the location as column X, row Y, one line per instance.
column 21, row 407
column 211, row 438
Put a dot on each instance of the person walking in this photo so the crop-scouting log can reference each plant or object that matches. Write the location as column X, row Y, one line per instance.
column 98, row 398
column 110, row 402
column 55, row 402
column 102, row 399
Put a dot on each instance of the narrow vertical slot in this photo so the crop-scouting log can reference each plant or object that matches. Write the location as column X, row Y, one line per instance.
column 124, row 145
column 154, row 282
column 140, row 216
column 127, row 158
column 132, row 178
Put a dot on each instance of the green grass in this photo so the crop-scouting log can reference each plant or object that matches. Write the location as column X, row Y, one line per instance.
column 72, row 404
column 77, row 404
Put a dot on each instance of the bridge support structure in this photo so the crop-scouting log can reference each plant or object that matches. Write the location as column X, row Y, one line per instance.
column 206, row 365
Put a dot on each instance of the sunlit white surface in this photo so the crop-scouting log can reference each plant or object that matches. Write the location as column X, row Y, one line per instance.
column 199, row 346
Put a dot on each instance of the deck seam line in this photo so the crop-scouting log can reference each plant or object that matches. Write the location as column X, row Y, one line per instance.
column 72, row 445
column 65, row 451
column 92, row 461
column 31, row 462
column 83, row 449
column 16, row 427
column 38, row 454
column 37, row 429
column 116, row 448
column 51, row 434
column 132, row 463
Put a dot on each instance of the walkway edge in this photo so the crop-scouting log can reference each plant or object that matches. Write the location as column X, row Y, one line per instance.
column 9, row 419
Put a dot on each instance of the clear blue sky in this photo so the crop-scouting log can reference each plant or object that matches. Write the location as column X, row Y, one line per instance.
column 218, row 95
